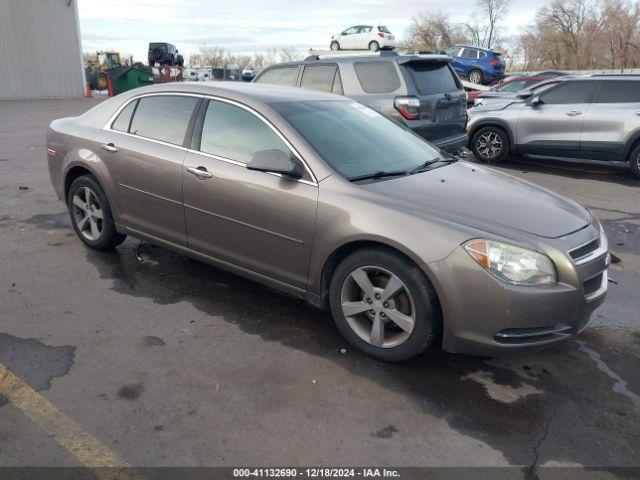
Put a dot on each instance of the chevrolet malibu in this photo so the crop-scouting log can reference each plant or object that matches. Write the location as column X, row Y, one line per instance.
column 328, row 200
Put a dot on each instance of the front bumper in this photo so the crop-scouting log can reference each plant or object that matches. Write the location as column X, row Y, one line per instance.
column 486, row 316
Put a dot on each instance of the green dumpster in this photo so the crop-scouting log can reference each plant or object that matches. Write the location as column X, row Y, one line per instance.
column 127, row 78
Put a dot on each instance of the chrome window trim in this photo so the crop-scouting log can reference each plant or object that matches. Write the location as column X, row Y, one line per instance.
column 112, row 118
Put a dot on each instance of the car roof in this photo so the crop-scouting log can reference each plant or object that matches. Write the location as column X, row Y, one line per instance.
column 241, row 91
column 403, row 57
column 478, row 48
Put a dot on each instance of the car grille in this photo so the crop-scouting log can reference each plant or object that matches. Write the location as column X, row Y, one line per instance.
column 593, row 284
column 591, row 260
column 585, row 250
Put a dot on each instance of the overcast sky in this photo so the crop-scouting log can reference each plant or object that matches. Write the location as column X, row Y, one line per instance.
column 253, row 25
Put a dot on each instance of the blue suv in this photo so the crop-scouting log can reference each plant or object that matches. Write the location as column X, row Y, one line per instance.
column 478, row 65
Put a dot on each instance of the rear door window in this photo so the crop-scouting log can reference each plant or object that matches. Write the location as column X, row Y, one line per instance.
column 614, row 91
column 284, row 76
column 377, row 77
column 570, row 92
column 319, row 77
column 468, row 53
column 433, row 77
column 163, row 117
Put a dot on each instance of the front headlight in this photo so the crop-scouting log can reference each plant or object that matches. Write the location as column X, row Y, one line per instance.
column 512, row 264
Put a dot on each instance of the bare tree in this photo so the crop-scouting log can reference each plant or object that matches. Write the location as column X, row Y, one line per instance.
column 289, row 54
column 433, row 31
column 493, row 12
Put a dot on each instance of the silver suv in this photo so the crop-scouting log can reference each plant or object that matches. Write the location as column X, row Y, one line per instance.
column 419, row 91
column 591, row 118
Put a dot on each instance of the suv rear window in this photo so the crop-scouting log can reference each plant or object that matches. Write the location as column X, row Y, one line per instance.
column 377, row 77
column 614, row 91
column 433, row 77
column 279, row 76
column 499, row 58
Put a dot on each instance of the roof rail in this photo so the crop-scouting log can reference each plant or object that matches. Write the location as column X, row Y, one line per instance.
column 349, row 53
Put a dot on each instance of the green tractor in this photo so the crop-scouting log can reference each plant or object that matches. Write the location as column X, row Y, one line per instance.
column 96, row 67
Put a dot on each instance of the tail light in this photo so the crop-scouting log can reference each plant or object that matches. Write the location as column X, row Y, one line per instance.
column 409, row 107
column 51, row 152
column 381, row 35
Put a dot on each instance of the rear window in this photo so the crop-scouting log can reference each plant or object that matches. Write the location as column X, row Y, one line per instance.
column 431, row 77
column 383, row 29
column 279, row 76
column 614, row 91
column 318, row 77
column 377, row 77
column 175, row 112
column 498, row 57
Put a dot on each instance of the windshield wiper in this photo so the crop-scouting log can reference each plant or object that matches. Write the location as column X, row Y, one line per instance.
column 425, row 166
column 378, row 174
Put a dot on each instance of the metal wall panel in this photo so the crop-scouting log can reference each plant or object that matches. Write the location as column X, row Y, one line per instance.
column 40, row 50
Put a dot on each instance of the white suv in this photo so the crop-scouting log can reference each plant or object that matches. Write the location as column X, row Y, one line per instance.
column 364, row 37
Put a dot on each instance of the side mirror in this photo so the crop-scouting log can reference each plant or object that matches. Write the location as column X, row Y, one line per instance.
column 523, row 94
column 535, row 101
column 275, row 161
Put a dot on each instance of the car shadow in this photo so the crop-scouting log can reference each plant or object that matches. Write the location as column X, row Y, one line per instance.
column 507, row 403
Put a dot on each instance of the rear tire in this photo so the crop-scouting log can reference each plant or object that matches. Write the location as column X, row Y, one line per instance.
column 634, row 161
column 490, row 144
column 335, row 46
column 91, row 214
column 374, row 46
column 475, row 76
column 408, row 320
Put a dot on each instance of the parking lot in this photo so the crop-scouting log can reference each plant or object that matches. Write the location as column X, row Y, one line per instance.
column 154, row 359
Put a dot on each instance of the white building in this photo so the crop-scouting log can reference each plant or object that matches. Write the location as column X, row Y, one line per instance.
column 40, row 49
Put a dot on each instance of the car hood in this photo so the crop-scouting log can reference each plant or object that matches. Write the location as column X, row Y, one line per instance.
column 495, row 106
column 485, row 199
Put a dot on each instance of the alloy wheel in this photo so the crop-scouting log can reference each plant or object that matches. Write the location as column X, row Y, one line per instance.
column 374, row 46
column 378, row 306
column 489, row 145
column 87, row 213
column 475, row 77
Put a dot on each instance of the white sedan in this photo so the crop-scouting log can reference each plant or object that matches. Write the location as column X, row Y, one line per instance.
column 364, row 37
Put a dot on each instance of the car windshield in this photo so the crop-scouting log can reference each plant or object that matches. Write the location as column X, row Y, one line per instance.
column 355, row 140
column 383, row 29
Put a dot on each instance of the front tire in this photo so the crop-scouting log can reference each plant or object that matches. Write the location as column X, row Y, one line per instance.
column 374, row 46
column 384, row 305
column 475, row 76
column 91, row 214
column 634, row 161
column 490, row 144
column 335, row 46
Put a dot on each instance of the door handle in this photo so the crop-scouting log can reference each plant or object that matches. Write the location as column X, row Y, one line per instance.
column 109, row 147
column 200, row 172
column 638, row 113
column 574, row 113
